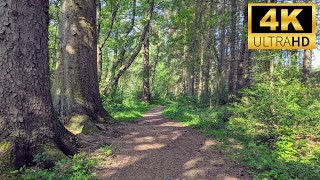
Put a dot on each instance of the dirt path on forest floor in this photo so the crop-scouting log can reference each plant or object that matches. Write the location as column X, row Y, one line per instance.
column 158, row 148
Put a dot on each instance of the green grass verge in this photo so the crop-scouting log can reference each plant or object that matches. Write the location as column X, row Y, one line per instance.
column 284, row 158
column 129, row 110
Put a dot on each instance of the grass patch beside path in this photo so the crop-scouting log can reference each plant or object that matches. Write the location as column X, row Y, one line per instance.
column 129, row 110
column 266, row 157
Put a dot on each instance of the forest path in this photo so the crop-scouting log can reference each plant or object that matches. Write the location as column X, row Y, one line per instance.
column 158, row 148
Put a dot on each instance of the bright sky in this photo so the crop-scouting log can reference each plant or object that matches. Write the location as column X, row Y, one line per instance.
column 316, row 61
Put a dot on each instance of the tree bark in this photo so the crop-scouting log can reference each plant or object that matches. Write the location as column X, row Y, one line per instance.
column 135, row 53
column 244, row 53
column 207, row 66
column 232, row 49
column 146, row 94
column 201, row 65
column 190, row 73
column 306, row 60
column 99, row 50
column 76, row 90
column 137, row 49
column 194, row 51
column 306, row 65
column 208, row 48
column 185, row 58
column 27, row 122
column 222, row 68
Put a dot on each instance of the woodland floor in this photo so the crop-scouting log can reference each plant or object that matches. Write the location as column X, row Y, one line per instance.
column 157, row 148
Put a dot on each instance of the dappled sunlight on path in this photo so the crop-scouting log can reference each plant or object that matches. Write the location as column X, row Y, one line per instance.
column 158, row 148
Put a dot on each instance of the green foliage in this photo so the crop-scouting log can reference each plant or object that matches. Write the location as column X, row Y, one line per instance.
column 282, row 125
column 79, row 167
column 274, row 130
column 106, row 149
column 127, row 110
column 205, row 119
column 41, row 159
column 290, row 108
column 53, row 34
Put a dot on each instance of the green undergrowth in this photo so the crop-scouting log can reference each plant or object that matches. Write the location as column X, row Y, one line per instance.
column 106, row 149
column 79, row 167
column 127, row 110
column 268, row 153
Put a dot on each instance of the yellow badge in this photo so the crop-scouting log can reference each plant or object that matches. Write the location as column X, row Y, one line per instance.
column 281, row 26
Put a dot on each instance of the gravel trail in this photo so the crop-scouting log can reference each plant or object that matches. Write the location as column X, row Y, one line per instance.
column 156, row 148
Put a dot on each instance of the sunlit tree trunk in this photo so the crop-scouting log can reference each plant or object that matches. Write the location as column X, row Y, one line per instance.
column 76, row 91
column 306, row 59
column 201, row 67
column 306, row 64
column 99, row 49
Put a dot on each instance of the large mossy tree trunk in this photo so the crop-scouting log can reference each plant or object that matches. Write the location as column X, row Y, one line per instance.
column 27, row 122
column 76, row 91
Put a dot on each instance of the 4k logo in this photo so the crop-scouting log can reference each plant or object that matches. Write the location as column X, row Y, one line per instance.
column 281, row 26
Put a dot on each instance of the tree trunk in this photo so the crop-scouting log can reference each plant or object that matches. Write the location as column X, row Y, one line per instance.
column 99, row 49
column 306, row 60
column 185, row 59
column 27, row 122
column 156, row 61
column 146, row 95
column 76, row 91
column 244, row 53
column 194, row 51
column 144, row 36
column 99, row 62
column 222, row 68
column 248, row 72
column 207, row 67
column 208, row 46
column 306, row 65
column 232, row 48
column 131, row 59
column 106, row 36
column 190, row 73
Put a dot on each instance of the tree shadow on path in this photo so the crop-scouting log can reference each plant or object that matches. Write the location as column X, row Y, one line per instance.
column 158, row 148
